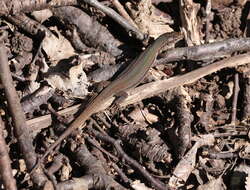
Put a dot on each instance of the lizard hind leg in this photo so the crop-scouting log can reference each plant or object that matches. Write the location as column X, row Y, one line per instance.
column 119, row 98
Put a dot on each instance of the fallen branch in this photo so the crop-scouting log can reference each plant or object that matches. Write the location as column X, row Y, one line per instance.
column 21, row 129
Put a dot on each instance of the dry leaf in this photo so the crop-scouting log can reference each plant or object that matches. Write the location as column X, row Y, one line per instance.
column 57, row 48
column 48, row 185
column 147, row 21
column 215, row 184
column 42, row 15
column 75, row 85
column 187, row 163
column 139, row 115
column 137, row 185
column 65, row 172
column 190, row 23
column 22, row 165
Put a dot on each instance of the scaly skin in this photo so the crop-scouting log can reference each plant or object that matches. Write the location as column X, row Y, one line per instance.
column 132, row 75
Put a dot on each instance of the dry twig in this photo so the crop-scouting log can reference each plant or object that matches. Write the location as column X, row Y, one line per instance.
column 21, row 129
column 5, row 163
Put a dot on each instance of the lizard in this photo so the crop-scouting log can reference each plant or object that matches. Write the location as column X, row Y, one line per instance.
column 131, row 76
